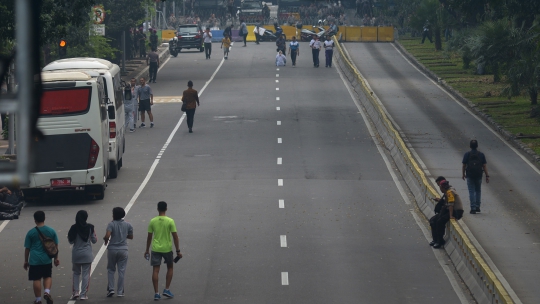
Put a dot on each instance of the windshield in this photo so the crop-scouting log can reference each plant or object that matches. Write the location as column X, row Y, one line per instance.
column 65, row 101
column 188, row 30
column 251, row 5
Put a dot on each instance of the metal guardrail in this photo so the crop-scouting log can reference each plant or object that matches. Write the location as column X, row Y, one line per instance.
column 488, row 288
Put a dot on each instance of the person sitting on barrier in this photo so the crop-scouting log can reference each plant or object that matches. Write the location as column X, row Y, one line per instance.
column 440, row 203
column 452, row 210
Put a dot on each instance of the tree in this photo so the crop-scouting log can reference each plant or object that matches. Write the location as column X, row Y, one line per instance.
column 428, row 11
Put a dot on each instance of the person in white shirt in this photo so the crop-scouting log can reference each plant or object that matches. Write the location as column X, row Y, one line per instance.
column 315, row 46
column 281, row 60
column 259, row 32
column 329, row 51
column 207, row 36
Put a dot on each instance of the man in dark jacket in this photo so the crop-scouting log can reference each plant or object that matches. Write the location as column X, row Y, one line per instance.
column 474, row 165
column 190, row 98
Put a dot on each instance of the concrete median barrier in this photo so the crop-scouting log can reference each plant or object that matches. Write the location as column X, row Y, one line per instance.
column 472, row 267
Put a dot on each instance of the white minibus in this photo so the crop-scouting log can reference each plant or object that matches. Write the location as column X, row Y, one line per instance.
column 73, row 155
column 114, row 92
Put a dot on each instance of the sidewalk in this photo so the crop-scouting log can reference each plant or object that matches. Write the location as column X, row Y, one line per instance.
column 137, row 67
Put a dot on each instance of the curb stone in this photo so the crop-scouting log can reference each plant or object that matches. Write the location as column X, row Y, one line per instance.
column 458, row 96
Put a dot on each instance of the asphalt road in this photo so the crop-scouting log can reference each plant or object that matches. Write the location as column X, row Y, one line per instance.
column 439, row 130
column 280, row 196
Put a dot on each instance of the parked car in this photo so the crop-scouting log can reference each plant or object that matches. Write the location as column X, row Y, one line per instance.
column 188, row 36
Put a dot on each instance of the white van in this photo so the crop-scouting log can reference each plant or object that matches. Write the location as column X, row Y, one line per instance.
column 73, row 155
column 114, row 92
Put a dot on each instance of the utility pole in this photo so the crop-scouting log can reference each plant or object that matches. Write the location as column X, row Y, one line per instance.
column 123, row 51
column 11, row 115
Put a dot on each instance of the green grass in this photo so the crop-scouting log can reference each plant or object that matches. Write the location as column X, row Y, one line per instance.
column 512, row 114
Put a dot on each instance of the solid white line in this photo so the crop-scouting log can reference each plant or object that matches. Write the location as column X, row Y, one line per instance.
column 279, row 123
column 281, row 204
column 277, row 98
column 148, row 175
column 277, row 109
column 4, row 224
column 280, row 182
column 279, row 161
column 279, row 141
column 284, row 278
column 283, row 241
column 457, row 289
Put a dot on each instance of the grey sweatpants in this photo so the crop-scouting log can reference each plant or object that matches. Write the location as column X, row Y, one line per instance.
column 116, row 258
column 131, row 117
column 79, row 269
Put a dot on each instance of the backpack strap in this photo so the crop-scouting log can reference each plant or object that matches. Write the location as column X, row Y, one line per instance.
column 42, row 237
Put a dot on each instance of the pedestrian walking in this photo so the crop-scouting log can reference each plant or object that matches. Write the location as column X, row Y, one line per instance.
column 39, row 244
column 281, row 44
column 328, row 51
column 281, row 60
column 259, row 32
column 207, row 36
column 315, row 46
column 226, row 45
column 153, row 60
column 294, row 50
column 190, row 98
column 160, row 230
column 146, row 100
column 116, row 236
column 130, row 106
column 453, row 209
column 243, row 32
column 474, row 165
column 426, row 33
column 81, row 235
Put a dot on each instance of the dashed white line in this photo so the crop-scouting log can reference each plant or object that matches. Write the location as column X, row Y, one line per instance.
column 277, row 98
column 278, row 108
column 277, row 75
column 277, row 89
column 283, row 241
column 277, row 69
column 284, row 278
column 279, row 141
column 280, row 182
column 279, row 123
column 277, row 81
column 281, row 204
column 279, row 161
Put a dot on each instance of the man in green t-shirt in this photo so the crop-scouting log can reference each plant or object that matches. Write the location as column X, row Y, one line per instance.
column 160, row 230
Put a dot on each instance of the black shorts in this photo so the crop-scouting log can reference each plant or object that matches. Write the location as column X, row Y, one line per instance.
column 144, row 105
column 38, row 272
column 156, row 258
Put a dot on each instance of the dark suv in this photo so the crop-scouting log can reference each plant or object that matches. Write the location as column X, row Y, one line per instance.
column 188, row 36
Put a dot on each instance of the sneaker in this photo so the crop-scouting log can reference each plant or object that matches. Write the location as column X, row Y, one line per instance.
column 142, row 125
column 168, row 293
column 130, row 130
column 157, row 297
column 48, row 298
column 473, row 211
column 75, row 296
column 478, row 209
column 151, row 125
column 83, row 297
column 110, row 293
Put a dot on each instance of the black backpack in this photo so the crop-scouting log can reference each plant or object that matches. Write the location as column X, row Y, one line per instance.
column 474, row 165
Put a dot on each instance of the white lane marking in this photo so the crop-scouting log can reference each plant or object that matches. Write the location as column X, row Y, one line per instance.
column 277, row 98
column 442, row 258
column 283, row 241
column 284, row 278
column 279, row 141
column 4, row 224
column 277, row 89
column 277, row 81
column 277, row 109
column 280, row 182
column 99, row 255
column 279, row 123
column 281, row 204
column 279, row 161
column 277, row 75
column 457, row 290
column 277, row 69
column 473, row 115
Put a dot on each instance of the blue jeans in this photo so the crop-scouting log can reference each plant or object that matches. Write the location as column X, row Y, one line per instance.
column 475, row 191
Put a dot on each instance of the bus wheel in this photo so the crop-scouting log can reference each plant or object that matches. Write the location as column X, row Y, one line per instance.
column 113, row 169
